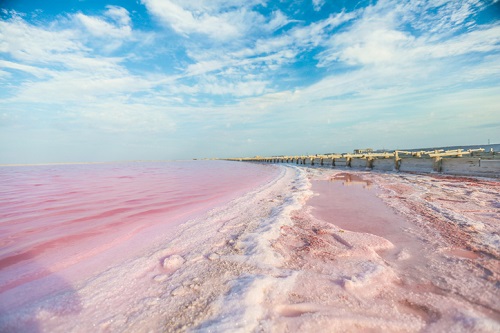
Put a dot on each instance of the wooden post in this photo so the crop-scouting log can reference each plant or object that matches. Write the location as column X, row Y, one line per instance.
column 369, row 162
column 437, row 164
column 397, row 160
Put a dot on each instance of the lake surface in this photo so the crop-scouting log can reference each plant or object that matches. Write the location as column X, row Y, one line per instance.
column 63, row 224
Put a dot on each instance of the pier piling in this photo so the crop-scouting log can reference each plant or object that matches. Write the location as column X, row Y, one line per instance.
column 475, row 162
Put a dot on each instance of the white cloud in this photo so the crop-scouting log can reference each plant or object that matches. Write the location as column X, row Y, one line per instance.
column 316, row 33
column 70, row 75
column 238, row 89
column 184, row 21
column 317, row 4
column 207, row 66
column 367, row 45
column 79, row 87
column 219, row 20
column 481, row 40
column 238, row 62
column 112, row 116
column 397, row 75
column 277, row 21
column 100, row 28
column 36, row 71
column 443, row 17
column 67, row 66
column 380, row 35
column 119, row 14
column 264, row 55
column 32, row 44
column 108, row 31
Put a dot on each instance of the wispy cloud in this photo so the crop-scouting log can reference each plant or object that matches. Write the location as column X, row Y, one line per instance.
column 220, row 21
column 37, row 45
column 317, row 4
column 99, row 27
column 33, row 70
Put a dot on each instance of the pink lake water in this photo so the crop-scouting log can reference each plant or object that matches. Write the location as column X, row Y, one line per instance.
column 62, row 224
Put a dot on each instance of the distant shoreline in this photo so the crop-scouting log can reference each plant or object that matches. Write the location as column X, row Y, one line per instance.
column 82, row 163
column 495, row 146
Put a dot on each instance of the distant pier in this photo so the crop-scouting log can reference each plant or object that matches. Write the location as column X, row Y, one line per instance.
column 471, row 162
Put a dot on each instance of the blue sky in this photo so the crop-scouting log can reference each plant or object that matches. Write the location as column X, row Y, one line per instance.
column 100, row 80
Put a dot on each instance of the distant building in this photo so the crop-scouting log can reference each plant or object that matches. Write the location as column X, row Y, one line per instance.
column 363, row 151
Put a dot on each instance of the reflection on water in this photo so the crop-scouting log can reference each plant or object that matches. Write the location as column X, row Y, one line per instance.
column 349, row 179
column 461, row 253
column 344, row 202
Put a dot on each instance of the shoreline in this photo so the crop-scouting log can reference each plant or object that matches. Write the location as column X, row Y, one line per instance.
column 271, row 260
column 195, row 265
column 114, row 271
column 84, row 163
column 435, row 271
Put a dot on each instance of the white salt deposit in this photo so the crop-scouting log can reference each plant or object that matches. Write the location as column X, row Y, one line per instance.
column 173, row 263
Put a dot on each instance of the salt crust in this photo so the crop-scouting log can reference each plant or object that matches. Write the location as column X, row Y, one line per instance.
column 428, row 287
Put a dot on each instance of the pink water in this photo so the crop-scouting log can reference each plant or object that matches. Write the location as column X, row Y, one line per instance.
column 62, row 224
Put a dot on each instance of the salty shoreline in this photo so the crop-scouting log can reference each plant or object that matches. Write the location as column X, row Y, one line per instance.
column 429, row 263
column 311, row 249
column 52, row 277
